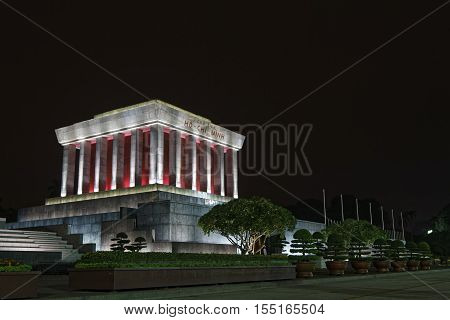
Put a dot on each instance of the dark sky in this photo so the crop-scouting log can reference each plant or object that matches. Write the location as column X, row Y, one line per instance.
column 380, row 130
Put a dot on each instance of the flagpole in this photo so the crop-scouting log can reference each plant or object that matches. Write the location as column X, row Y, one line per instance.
column 393, row 223
column 357, row 209
column 342, row 208
column 370, row 212
column 382, row 218
column 403, row 228
column 324, row 207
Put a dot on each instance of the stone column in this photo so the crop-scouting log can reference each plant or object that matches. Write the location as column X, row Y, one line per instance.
column 68, row 170
column 191, row 166
column 156, row 162
column 118, row 158
column 205, row 166
column 100, row 164
column 175, row 158
column 136, row 158
column 84, row 167
column 232, row 173
column 219, row 172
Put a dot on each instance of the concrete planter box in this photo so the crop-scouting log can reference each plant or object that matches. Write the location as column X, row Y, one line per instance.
column 18, row 285
column 123, row 279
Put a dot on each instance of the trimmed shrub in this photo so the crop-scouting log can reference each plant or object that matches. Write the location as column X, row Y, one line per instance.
column 118, row 259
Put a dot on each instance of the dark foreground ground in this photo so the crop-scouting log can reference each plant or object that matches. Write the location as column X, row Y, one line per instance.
column 433, row 284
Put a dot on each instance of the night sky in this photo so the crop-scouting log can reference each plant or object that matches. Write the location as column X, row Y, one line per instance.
column 381, row 130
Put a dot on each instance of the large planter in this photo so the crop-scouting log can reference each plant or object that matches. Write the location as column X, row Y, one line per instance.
column 361, row 267
column 336, row 268
column 124, row 279
column 18, row 285
column 425, row 264
column 381, row 265
column 413, row 265
column 398, row 265
column 305, row 269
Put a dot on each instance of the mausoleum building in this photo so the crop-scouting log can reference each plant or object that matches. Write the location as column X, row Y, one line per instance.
column 150, row 170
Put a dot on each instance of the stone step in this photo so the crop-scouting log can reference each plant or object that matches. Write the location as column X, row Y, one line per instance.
column 10, row 231
column 25, row 236
column 28, row 240
column 36, row 245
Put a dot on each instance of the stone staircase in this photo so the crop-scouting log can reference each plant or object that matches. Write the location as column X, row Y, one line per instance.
column 19, row 242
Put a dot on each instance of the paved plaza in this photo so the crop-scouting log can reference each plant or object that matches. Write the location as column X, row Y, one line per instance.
column 433, row 284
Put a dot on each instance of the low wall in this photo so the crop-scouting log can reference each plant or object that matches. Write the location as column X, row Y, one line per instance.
column 125, row 279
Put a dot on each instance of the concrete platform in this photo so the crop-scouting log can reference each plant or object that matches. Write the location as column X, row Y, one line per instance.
column 419, row 285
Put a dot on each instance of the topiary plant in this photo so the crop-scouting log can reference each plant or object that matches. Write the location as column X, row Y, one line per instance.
column 381, row 249
column 358, row 250
column 336, row 249
column 424, row 250
column 121, row 240
column 303, row 243
column 398, row 251
column 275, row 244
column 412, row 250
column 138, row 245
column 319, row 238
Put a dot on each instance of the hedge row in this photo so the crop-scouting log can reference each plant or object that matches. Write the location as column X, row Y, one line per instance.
column 17, row 268
column 108, row 259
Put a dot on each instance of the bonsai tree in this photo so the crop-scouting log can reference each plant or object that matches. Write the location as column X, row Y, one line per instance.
column 336, row 253
column 304, row 244
column 381, row 252
column 120, row 240
column 319, row 241
column 336, row 249
column 138, row 244
column 275, row 244
column 398, row 255
column 398, row 251
column 358, row 250
column 412, row 252
column 424, row 250
column 246, row 223
column 425, row 255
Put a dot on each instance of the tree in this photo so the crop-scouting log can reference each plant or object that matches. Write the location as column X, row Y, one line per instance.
column 361, row 230
column 441, row 222
column 121, row 240
column 246, row 223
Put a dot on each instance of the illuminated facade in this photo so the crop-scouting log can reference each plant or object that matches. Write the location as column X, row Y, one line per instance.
column 145, row 144
column 149, row 170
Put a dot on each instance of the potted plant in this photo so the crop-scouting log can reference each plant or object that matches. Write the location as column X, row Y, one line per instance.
column 304, row 245
column 425, row 255
column 380, row 254
column 336, row 254
column 359, row 256
column 398, row 255
column 413, row 262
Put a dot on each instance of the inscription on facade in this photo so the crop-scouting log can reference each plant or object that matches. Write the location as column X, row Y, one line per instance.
column 204, row 128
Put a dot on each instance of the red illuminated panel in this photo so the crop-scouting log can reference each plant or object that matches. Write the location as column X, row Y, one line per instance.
column 145, row 158
column 126, row 165
column 166, row 158
column 109, row 165
column 92, row 168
